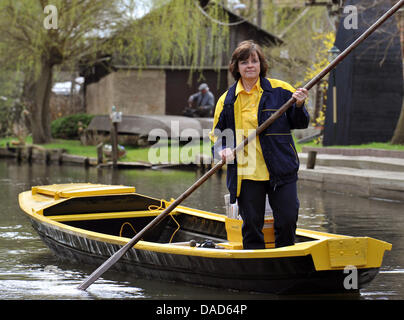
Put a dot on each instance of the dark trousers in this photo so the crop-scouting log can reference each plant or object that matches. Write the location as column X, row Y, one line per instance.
column 285, row 207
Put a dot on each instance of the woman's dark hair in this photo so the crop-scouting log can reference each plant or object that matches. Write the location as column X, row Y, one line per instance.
column 242, row 52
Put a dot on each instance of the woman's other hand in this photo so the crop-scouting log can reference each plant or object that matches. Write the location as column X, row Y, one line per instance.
column 227, row 155
column 300, row 95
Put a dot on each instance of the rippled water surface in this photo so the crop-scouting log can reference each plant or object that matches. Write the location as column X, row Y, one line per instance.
column 29, row 270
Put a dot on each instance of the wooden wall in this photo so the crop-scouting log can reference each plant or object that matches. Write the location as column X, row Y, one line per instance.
column 369, row 82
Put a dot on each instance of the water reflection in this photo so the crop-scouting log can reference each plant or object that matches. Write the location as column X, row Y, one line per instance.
column 28, row 270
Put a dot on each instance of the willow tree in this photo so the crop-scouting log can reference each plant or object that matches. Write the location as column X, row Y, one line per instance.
column 190, row 33
column 36, row 36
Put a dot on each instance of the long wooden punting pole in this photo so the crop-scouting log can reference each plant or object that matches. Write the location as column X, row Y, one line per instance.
column 117, row 255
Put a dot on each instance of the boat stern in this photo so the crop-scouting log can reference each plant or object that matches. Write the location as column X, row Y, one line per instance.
column 359, row 252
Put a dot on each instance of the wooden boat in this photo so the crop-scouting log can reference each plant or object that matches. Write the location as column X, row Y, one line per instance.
column 87, row 223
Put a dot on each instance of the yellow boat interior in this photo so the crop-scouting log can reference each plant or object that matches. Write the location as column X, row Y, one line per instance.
column 116, row 213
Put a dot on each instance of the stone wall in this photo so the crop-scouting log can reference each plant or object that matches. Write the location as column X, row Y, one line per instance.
column 99, row 96
column 131, row 91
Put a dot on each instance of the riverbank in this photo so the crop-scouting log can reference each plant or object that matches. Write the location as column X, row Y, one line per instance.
column 49, row 155
column 374, row 170
column 162, row 154
column 365, row 176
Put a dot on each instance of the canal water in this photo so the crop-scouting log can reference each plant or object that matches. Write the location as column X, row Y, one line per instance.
column 29, row 270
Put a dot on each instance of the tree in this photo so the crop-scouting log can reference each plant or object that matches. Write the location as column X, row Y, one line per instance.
column 36, row 36
column 175, row 32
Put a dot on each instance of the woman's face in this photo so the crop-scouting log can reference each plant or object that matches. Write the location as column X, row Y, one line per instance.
column 250, row 69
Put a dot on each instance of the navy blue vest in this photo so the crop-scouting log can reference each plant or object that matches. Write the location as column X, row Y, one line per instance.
column 276, row 141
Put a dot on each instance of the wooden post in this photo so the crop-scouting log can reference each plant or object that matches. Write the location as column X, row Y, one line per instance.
column 100, row 156
column 18, row 154
column 116, row 117
column 60, row 156
column 311, row 159
column 114, row 143
column 29, row 154
column 47, row 157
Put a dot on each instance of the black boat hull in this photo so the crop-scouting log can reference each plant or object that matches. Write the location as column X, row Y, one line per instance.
column 281, row 275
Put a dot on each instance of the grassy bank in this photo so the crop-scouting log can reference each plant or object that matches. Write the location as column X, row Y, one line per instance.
column 163, row 151
column 71, row 146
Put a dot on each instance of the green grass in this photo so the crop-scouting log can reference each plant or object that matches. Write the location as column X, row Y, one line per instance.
column 72, row 147
column 3, row 141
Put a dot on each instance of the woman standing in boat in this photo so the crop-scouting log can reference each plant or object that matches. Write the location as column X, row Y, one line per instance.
column 269, row 164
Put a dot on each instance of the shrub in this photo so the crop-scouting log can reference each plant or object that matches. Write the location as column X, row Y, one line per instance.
column 68, row 127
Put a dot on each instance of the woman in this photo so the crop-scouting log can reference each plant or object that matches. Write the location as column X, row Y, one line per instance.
column 270, row 163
